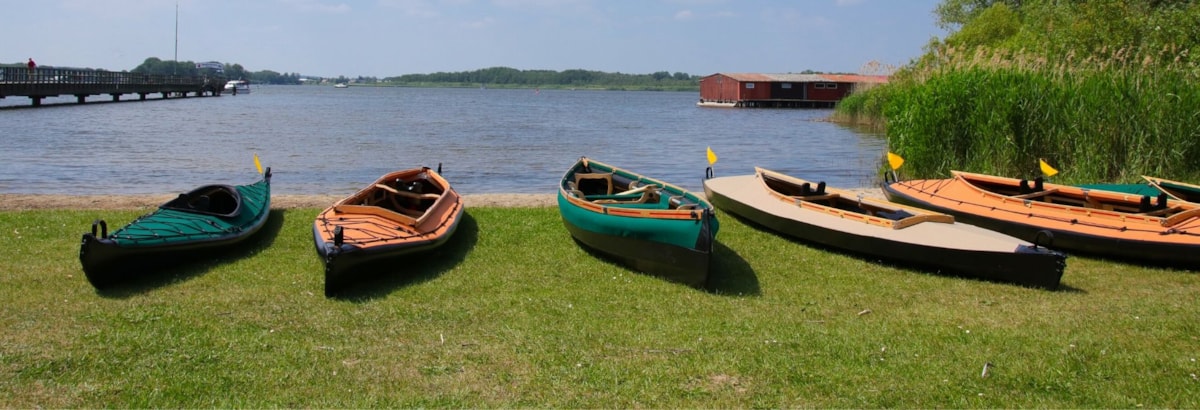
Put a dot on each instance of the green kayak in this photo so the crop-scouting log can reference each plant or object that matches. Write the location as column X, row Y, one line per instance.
column 648, row 225
column 1154, row 192
column 205, row 219
column 1178, row 190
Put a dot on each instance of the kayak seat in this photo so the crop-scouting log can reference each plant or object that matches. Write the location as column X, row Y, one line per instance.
column 594, row 183
column 222, row 202
column 641, row 200
column 1024, row 188
column 201, row 203
column 216, row 200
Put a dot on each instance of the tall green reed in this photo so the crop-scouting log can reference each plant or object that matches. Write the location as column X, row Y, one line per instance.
column 998, row 112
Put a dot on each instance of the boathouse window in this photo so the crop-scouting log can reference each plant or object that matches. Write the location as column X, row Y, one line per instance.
column 749, row 85
column 786, row 86
column 831, row 86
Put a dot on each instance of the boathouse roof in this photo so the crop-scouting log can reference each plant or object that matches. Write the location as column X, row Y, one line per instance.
column 806, row 78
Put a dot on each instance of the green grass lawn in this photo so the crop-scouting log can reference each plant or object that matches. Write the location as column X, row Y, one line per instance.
column 513, row 313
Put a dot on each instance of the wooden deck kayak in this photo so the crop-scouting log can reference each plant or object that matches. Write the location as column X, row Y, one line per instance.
column 401, row 213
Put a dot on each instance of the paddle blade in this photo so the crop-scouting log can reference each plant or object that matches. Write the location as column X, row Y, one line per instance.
column 257, row 164
column 895, row 160
column 712, row 157
column 1046, row 168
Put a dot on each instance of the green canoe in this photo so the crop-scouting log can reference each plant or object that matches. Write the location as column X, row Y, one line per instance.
column 650, row 226
column 208, row 218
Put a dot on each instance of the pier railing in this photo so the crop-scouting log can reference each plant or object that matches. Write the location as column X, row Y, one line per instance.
column 40, row 83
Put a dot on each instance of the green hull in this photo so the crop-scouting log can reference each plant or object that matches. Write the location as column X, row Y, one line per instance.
column 207, row 218
column 682, row 233
column 678, row 250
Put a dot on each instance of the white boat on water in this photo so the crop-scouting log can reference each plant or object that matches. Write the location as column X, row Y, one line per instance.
column 340, row 85
column 237, row 87
column 716, row 104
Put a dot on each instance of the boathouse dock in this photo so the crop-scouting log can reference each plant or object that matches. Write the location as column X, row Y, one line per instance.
column 41, row 83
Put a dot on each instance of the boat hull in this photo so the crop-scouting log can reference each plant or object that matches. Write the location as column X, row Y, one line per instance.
column 237, row 87
column 950, row 251
column 643, row 246
column 173, row 235
column 659, row 237
column 1095, row 232
column 356, row 241
column 349, row 264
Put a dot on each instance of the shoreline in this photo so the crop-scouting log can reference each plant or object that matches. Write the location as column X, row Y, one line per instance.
column 29, row 202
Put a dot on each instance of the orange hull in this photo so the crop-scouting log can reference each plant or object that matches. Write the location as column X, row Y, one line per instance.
column 401, row 213
column 1103, row 223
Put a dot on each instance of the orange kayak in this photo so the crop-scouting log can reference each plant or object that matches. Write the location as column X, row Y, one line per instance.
column 403, row 212
column 1158, row 231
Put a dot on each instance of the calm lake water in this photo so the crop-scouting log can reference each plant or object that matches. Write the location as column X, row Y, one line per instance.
column 323, row 140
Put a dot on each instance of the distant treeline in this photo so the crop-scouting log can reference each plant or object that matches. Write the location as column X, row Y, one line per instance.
column 154, row 65
column 506, row 76
column 500, row 77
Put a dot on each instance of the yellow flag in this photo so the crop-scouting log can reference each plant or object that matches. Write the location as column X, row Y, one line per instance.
column 895, row 160
column 712, row 158
column 1046, row 168
column 257, row 164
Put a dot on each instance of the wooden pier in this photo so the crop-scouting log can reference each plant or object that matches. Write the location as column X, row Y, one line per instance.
column 53, row 82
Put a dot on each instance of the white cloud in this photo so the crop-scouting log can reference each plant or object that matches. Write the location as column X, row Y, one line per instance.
column 684, row 15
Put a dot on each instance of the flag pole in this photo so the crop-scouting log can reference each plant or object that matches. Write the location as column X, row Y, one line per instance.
column 175, row 65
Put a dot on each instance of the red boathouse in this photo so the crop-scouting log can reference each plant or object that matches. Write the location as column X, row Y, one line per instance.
column 780, row 90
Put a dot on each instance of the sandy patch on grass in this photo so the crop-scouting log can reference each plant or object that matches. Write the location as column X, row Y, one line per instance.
column 16, row 202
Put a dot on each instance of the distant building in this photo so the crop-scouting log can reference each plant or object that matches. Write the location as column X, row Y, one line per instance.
column 780, row 90
column 211, row 65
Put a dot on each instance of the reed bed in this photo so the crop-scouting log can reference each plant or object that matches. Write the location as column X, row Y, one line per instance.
column 1096, row 119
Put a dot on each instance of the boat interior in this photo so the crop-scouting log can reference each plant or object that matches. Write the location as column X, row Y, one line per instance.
column 1036, row 191
column 806, row 192
column 1184, row 192
column 219, row 200
column 410, row 197
column 612, row 189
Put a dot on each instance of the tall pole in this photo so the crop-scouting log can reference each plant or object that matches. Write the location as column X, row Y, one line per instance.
column 175, row 66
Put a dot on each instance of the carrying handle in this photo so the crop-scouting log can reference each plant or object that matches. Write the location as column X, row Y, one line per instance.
column 103, row 228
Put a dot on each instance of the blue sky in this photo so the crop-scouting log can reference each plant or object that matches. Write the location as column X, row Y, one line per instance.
column 393, row 37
